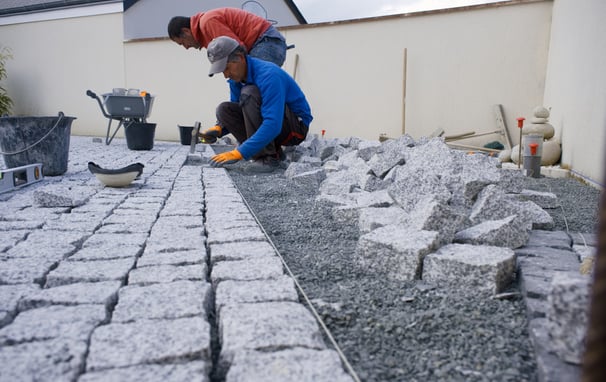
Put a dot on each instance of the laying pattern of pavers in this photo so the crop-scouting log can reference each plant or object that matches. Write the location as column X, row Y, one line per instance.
column 102, row 283
column 172, row 279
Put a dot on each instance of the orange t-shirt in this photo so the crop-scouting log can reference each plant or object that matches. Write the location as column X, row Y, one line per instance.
column 245, row 27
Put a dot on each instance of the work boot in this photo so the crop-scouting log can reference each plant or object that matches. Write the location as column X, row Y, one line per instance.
column 265, row 164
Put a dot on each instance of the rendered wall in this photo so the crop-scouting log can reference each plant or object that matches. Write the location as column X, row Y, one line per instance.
column 55, row 62
column 459, row 64
column 576, row 84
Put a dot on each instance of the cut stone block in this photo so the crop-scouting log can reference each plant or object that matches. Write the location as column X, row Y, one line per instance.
column 507, row 232
column 374, row 217
column 167, row 273
column 257, row 268
column 189, row 257
column 296, row 168
column 339, row 182
column 267, row 326
column 312, row 178
column 391, row 153
column 431, row 215
column 298, row 364
column 483, row 267
column 493, row 204
column 568, row 315
column 240, row 251
column 549, row 239
column 62, row 196
column 104, row 293
column 53, row 360
column 237, row 234
column 12, row 295
column 92, row 253
column 413, row 185
column 395, row 251
column 70, row 272
column 234, row 292
column 191, row 371
column 67, row 322
column 543, row 199
column 163, row 301
column 147, row 342
column 25, row 270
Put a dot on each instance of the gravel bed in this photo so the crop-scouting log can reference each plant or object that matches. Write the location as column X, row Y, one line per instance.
column 403, row 331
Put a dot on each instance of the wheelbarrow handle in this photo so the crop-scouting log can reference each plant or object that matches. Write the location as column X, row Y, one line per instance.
column 92, row 95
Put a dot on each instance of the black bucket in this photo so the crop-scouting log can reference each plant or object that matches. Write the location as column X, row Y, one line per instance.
column 139, row 135
column 185, row 134
column 29, row 140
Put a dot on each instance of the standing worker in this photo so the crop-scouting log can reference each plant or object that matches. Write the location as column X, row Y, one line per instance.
column 256, row 34
column 267, row 109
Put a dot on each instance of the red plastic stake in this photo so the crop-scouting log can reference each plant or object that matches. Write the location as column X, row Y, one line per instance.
column 323, row 132
column 533, row 148
column 521, row 122
column 520, row 125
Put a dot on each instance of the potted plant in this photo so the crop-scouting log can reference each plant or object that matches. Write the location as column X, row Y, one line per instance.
column 6, row 103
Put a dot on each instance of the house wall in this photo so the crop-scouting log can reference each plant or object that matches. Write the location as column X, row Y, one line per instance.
column 575, row 87
column 54, row 63
column 458, row 65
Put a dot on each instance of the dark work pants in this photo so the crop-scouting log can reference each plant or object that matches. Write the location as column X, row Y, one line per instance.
column 243, row 119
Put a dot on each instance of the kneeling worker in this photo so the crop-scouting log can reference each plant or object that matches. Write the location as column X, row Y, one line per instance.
column 267, row 109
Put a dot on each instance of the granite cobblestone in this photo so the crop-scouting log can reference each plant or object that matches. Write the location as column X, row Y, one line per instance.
column 127, row 283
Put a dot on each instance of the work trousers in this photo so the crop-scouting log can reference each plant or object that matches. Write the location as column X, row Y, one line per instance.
column 269, row 49
column 243, row 119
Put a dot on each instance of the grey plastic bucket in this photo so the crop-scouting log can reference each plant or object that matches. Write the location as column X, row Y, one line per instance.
column 29, row 140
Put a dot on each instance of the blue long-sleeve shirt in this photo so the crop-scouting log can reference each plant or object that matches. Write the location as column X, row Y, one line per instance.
column 277, row 88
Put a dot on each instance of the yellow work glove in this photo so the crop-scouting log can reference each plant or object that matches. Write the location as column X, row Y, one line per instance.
column 228, row 157
column 211, row 135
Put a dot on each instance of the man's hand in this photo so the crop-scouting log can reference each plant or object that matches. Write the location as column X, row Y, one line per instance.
column 211, row 135
column 228, row 157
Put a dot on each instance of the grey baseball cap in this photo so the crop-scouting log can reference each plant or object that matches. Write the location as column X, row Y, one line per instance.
column 218, row 51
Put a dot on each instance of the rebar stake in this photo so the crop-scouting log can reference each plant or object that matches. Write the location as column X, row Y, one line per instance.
column 520, row 125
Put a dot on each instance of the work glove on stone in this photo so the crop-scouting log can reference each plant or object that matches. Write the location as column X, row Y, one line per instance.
column 228, row 157
column 210, row 135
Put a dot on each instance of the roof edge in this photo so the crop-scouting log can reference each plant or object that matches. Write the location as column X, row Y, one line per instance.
column 52, row 5
column 295, row 10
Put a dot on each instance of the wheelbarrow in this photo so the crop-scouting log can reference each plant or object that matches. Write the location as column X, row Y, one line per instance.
column 123, row 106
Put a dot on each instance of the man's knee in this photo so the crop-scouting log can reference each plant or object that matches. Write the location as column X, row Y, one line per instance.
column 250, row 90
column 250, row 96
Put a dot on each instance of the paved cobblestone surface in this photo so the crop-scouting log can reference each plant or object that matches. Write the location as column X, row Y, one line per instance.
column 154, row 281
column 172, row 279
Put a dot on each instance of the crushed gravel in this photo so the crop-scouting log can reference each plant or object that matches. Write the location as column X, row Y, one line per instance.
column 403, row 331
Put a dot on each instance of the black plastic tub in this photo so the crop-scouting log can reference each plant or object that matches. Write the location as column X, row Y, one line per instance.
column 185, row 134
column 140, row 135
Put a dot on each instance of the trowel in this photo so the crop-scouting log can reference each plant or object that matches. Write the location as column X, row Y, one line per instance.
column 194, row 137
column 193, row 157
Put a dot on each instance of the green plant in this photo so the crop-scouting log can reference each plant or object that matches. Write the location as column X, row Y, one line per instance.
column 6, row 103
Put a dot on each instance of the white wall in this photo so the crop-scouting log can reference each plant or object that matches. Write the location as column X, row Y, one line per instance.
column 55, row 62
column 576, row 84
column 459, row 64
